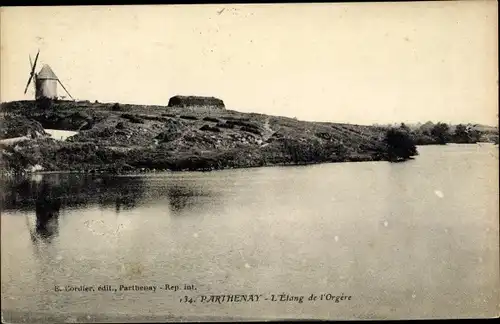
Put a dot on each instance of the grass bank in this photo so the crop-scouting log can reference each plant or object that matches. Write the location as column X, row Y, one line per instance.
column 130, row 138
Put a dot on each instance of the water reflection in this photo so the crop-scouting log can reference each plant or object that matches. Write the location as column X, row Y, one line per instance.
column 48, row 194
column 184, row 196
column 57, row 191
column 47, row 210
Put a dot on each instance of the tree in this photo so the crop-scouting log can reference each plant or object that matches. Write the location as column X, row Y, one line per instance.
column 474, row 135
column 465, row 134
column 405, row 128
column 440, row 132
column 400, row 144
column 460, row 135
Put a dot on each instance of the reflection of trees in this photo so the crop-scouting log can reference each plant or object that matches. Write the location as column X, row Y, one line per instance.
column 181, row 197
column 56, row 191
column 47, row 209
column 71, row 190
column 182, row 194
column 120, row 192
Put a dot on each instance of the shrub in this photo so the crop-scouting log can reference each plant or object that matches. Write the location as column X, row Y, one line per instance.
column 211, row 119
column 250, row 130
column 400, row 144
column 173, row 129
column 133, row 118
column 423, row 137
column 236, row 118
column 210, row 128
column 17, row 126
column 44, row 103
column 300, row 152
column 243, row 124
column 225, row 125
column 189, row 117
column 324, row 135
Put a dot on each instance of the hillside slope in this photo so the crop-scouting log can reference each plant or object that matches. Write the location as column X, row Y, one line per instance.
column 120, row 138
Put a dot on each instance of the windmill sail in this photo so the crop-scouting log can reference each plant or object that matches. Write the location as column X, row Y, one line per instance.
column 32, row 73
column 65, row 89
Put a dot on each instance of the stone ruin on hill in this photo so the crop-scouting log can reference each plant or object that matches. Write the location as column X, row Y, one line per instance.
column 195, row 101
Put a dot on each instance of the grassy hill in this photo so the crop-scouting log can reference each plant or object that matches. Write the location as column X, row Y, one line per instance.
column 121, row 138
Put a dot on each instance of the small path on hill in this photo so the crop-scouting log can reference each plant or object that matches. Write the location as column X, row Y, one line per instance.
column 267, row 132
column 268, row 129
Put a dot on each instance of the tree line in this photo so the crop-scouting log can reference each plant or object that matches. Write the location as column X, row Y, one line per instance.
column 442, row 133
column 401, row 142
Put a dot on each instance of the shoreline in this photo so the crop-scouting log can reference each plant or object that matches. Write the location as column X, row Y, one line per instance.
column 144, row 171
column 158, row 171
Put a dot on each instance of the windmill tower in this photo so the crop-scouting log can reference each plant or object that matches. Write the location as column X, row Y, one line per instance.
column 45, row 81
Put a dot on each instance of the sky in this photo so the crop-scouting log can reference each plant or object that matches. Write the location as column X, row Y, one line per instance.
column 358, row 63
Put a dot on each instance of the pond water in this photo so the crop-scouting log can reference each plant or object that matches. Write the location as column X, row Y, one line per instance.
column 417, row 239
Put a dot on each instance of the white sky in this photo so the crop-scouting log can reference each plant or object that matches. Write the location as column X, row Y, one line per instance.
column 359, row 63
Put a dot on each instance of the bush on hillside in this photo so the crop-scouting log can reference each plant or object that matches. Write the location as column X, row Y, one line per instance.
column 225, row 125
column 133, row 118
column 17, row 126
column 188, row 117
column 250, row 130
column 211, row 119
column 400, row 144
column 210, row 128
column 242, row 124
column 44, row 103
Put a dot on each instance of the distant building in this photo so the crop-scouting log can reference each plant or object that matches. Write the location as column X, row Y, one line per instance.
column 195, row 101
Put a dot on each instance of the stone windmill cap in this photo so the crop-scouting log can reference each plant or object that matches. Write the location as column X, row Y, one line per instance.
column 46, row 73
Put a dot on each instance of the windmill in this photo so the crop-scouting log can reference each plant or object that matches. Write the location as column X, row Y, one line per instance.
column 45, row 81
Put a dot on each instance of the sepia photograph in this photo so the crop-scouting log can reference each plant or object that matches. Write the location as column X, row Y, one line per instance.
column 242, row 162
